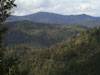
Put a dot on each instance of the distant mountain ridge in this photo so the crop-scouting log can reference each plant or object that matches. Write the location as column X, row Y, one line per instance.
column 53, row 18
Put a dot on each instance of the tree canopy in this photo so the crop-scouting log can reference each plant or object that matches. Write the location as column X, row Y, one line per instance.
column 5, row 9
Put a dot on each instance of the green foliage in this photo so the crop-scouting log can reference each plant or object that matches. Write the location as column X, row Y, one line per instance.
column 5, row 9
column 38, row 34
column 78, row 55
column 8, row 66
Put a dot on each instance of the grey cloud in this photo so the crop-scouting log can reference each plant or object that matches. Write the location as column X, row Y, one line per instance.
column 67, row 7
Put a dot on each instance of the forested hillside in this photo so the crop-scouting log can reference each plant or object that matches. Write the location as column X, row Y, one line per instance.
column 46, row 43
column 38, row 34
column 78, row 55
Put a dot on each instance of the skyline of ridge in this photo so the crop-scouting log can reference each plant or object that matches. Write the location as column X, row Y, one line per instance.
column 55, row 13
column 66, row 7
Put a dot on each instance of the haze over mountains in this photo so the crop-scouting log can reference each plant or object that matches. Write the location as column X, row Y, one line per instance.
column 53, row 18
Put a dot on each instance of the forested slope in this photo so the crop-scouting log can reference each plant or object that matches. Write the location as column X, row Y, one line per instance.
column 78, row 55
column 38, row 34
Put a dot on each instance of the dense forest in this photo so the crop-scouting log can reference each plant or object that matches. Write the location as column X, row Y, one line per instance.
column 38, row 34
column 30, row 48
column 78, row 55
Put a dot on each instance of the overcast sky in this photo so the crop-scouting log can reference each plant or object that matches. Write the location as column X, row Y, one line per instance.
column 66, row 7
